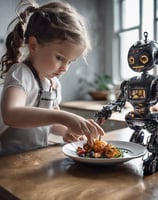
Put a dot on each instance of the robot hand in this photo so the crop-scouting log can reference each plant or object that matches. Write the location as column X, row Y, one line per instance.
column 102, row 115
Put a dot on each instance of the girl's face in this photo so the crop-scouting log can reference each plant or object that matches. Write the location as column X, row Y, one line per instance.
column 54, row 58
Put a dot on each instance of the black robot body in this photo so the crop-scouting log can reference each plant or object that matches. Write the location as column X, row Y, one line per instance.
column 142, row 93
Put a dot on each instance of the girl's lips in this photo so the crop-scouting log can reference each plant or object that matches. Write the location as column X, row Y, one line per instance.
column 58, row 74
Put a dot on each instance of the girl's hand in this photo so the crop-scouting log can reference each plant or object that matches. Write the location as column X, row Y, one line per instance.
column 70, row 137
column 80, row 126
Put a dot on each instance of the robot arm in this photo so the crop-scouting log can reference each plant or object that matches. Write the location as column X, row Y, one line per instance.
column 157, row 91
column 116, row 106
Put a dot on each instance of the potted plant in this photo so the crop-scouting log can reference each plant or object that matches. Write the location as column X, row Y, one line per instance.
column 99, row 86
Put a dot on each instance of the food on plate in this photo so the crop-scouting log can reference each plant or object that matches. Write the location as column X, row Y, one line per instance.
column 100, row 149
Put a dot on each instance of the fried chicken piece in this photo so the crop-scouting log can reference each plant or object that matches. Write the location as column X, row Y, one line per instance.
column 97, row 147
column 111, row 151
column 103, row 149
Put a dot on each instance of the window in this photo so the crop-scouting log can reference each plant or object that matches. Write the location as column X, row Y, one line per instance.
column 156, row 24
column 134, row 18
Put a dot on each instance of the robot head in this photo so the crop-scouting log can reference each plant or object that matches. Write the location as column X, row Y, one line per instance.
column 143, row 55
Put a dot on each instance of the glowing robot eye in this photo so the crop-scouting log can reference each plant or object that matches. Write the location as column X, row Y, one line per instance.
column 131, row 60
column 144, row 59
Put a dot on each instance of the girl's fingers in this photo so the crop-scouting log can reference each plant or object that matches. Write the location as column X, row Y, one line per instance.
column 86, row 131
column 72, row 138
column 100, row 131
column 89, row 128
column 95, row 131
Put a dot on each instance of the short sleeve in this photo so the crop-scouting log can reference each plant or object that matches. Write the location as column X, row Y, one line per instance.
column 20, row 76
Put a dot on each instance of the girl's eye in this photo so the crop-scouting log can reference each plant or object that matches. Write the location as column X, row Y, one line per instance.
column 59, row 58
column 62, row 59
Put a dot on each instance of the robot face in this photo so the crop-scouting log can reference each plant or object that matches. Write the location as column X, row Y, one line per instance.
column 143, row 56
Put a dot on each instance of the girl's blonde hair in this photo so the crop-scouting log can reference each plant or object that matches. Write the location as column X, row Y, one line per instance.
column 52, row 21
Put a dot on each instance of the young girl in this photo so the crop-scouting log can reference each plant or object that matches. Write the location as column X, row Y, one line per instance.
column 55, row 36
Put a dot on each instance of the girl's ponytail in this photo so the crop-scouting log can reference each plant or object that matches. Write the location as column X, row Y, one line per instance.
column 15, row 41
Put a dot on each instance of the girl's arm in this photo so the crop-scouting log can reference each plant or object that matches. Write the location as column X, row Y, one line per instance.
column 63, row 131
column 16, row 114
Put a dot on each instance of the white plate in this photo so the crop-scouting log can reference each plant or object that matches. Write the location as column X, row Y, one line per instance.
column 132, row 151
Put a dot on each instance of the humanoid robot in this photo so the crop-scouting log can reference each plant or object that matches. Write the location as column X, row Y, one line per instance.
column 142, row 93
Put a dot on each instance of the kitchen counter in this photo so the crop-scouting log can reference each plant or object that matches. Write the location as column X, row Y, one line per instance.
column 47, row 174
column 87, row 109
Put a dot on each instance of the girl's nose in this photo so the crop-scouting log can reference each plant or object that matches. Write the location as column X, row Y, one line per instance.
column 64, row 67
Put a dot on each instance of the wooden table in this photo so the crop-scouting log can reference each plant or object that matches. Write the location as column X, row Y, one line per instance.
column 47, row 174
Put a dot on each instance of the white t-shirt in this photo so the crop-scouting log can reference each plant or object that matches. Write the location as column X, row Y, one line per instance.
column 14, row 140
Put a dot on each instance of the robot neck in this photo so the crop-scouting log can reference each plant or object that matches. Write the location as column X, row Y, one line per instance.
column 145, row 75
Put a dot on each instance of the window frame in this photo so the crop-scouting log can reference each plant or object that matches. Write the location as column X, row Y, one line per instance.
column 156, row 26
column 117, row 77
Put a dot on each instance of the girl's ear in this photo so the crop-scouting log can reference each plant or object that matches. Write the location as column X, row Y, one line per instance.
column 32, row 43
